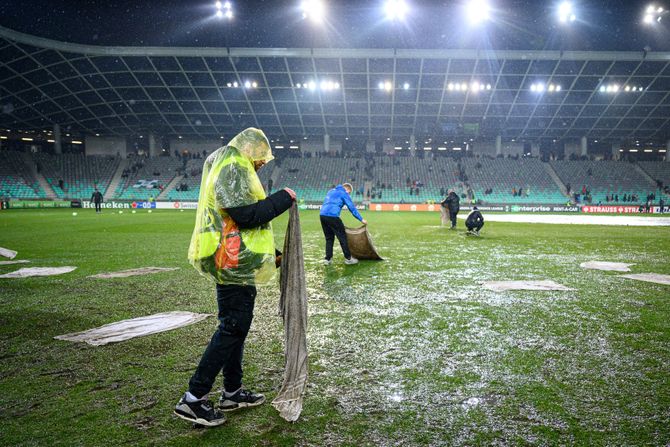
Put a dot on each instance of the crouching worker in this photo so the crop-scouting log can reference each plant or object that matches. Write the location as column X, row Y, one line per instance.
column 232, row 244
column 332, row 225
column 474, row 222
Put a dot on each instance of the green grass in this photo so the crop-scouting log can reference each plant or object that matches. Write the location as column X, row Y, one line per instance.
column 410, row 351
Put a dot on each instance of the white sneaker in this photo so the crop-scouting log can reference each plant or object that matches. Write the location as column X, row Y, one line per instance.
column 327, row 261
column 351, row 261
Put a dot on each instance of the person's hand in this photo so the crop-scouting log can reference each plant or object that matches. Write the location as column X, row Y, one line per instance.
column 290, row 193
column 277, row 261
column 364, row 222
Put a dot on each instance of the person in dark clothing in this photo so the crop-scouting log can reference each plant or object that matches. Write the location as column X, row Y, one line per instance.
column 233, row 205
column 96, row 198
column 332, row 225
column 474, row 222
column 661, row 204
column 452, row 203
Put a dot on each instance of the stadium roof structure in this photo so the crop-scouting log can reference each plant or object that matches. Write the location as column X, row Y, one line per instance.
column 370, row 93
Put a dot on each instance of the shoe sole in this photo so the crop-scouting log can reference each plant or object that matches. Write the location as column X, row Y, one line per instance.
column 203, row 422
column 242, row 405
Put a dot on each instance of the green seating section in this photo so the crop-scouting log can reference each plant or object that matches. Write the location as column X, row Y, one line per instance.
column 657, row 170
column 503, row 176
column 16, row 179
column 80, row 174
column 165, row 167
column 604, row 178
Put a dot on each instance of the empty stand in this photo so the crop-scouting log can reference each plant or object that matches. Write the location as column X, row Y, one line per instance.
column 16, row 178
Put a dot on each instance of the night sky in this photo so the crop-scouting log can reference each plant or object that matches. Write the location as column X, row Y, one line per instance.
column 517, row 24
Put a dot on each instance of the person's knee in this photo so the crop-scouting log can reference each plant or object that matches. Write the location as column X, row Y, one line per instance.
column 235, row 324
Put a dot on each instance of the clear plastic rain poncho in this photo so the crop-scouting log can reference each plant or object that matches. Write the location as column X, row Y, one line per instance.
column 219, row 249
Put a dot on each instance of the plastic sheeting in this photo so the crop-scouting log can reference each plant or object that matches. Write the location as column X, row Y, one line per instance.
column 219, row 249
column 134, row 272
column 607, row 266
column 360, row 244
column 135, row 327
column 38, row 271
column 293, row 309
column 7, row 253
column 20, row 261
column 650, row 277
column 501, row 286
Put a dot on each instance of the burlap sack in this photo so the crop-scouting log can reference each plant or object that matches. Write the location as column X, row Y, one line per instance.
column 360, row 244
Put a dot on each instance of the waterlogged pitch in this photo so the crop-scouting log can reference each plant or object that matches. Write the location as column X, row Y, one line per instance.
column 409, row 351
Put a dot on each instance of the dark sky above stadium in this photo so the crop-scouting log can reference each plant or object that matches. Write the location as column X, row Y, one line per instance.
column 515, row 24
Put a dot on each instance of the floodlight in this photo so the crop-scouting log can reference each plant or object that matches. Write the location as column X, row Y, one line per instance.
column 219, row 14
column 558, row 88
column 464, row 86
column 478, row 11
column 380, row 85
column 311, row 85
column 235, row 84
column 566, row 13
column 488, row 86
column 450, row 86
column 337, row 85
column 247, row 84
column 395, row 9
column 254, row 84
column 229, row 14
column 627, row 88
column 314, row 10
column 388, row 86
column 603, row 88
column 218, row 5
column 405, row 86
column 648, row 18
column 298, row 85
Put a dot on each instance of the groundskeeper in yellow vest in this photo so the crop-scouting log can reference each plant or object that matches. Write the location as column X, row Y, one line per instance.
column 219, row 249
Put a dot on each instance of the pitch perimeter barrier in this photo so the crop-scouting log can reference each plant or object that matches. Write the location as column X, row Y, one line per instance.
column 430, row 207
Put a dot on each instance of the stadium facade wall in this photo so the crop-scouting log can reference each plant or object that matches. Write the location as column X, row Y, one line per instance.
column 106, row 146
column 197, row 145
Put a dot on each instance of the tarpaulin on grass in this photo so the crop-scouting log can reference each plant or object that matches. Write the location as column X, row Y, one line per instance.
column 135, row 327
column 38, row 271
column 293, row 309
column 501, row 286
column 20, row 261
column 7, row 253
column 607, row 266
column 360, row 244
column 133, row 272
column 650, row 277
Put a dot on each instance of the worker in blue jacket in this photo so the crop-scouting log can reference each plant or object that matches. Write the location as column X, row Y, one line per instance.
column 332, row 224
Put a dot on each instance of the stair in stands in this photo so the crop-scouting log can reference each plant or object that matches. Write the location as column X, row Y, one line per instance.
column 644, row 174
column 556, row 179
column 116, row 179
column 173, row 184
column 48, row 190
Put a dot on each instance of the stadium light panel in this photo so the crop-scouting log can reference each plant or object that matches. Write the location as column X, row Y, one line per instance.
column 314, row 10
column 478, row 11
column 566, row 13
column 405, row 86
column 395, row 9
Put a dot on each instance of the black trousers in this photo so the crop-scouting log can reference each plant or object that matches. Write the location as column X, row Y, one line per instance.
column 332, row 227
column 452, row 216
column 98, row 207
column 476, row 227
column 226, row 348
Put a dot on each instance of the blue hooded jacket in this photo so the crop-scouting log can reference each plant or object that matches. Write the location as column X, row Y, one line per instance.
column 335, row 200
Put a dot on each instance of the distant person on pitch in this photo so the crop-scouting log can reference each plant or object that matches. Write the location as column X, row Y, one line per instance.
column 474, row 222
column 452, row 203
column 332, row 224
column 96, row 198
